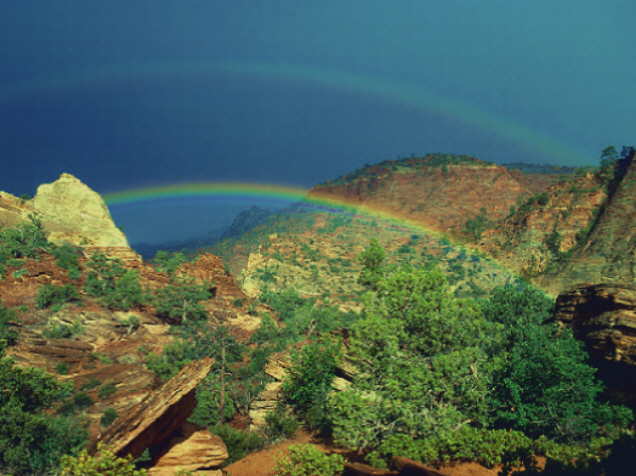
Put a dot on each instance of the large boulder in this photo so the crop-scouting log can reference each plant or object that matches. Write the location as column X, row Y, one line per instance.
column 603, row 316
column 193, row 450
column 71, row 212
column 154, row 421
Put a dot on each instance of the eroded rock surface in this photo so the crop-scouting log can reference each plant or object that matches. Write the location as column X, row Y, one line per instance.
column 71, row 212
column 158, row 416
column 192, row 451
column 603, row 316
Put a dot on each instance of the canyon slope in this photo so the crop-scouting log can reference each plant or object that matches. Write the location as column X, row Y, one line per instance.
column 556, row 226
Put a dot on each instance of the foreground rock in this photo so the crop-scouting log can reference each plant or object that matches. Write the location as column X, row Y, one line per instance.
column 192, row 451
column 153, row 421
column 603, row 316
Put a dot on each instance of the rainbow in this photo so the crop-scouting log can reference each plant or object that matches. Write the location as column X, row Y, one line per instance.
column 417, row 97
column 293, row 195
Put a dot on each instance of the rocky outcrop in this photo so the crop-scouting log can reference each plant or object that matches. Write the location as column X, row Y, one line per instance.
column 603, row 316
column 609, row 251
column 192, row 451
column 278, row 367
column 154, row 420
column 71, row 212
column 210, row 270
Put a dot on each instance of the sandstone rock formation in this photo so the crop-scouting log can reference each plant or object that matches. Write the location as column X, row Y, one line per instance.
column 609, row 252
column 70, row 212
column 158, row 416
column 603, row 316
column 192, row 451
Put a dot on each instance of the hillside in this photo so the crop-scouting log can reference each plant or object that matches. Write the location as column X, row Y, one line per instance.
column 316, row 253
column 579, row 230
column 439, row 191
column 511, row 214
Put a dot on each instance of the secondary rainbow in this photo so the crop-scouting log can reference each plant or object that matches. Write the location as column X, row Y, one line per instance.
column 417, row 97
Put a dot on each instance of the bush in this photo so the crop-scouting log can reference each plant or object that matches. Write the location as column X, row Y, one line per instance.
column 62, row 368
column 280, row 425
column 109, row 416
column 309, row 381
column 61, row 330
column 239, row 443
column 82, row 400
column 181, row 303
column 67, row 257
column 126, row 293
column 25, row 240
column 8, row 336
column 487, row 447
column 307, row 460
column 52, row 295
column 104, row 463
column 168, row 262
column 118, row 288
column 106, row 390
column 32, row 440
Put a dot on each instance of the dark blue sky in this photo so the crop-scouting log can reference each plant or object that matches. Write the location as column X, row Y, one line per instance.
column 131, row 93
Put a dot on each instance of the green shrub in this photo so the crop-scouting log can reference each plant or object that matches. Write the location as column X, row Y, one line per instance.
column 118, row 288
column 309, row 381
column 181, row 303
column 82, row 400
column 280, row 425
column 32, row 440
column 8, row 336
column 307, row 460
column 131, row 323
column 106, row 390
column 52, row 295
column 168, row 262
column 67, row 257
column 126, row 293
column 239, row 443
column 109, row 416
column 105, row 462
column 487, row 447
column 62, row 368
column 475, row 227
column 25, row 240
column 61, row 330
column 208, row 411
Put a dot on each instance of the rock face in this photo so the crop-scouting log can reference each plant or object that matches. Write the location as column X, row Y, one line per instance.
column 196, row 449
column 579, row 231
column 70, row 212
column 609, row 253
column 603, row 316
column 154, row 420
